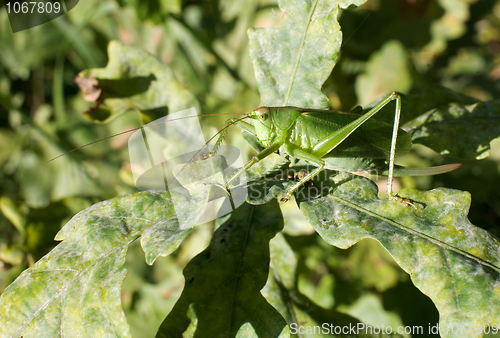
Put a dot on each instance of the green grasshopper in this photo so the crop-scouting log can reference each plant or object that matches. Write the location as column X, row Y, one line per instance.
column 326, row 139
column 323, row 137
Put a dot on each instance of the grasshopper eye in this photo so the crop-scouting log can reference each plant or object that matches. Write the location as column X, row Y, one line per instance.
column 263, row 116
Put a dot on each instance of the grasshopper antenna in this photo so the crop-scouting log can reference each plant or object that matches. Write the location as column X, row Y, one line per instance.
column 361, row 24
column 218, row 133
column 134, row 129
column 228, row 125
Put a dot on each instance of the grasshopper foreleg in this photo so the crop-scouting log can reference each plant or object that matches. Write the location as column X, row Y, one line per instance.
column 263, row 154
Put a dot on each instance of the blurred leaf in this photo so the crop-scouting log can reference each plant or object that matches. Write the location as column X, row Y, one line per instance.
column 13, row 214
column 421, row 100
column 449, row 26
column 467, row 61
column 205, row 48
column 446, row 256
column 80, row 279
column 386, row 71
column 369, row 308
column 332, row 277
column 371, row 265
column 42, row 183
column 149, row 292
column 223, row 283
column 13, row 55
column 136, row 80
column 8, row 140
column 156, row 9
column 293, row 60
column 252, row 141
column 281, row 291
column 457, row 130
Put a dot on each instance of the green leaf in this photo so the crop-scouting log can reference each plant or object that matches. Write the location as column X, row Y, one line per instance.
column 134, row 80
column 75, row 289
column 293, row 60
column 267, row 178
column 448, row 122
column 8, row 140
column 458, row 130
column 222, row 295
column 281, row 291
column 42, row 183
column 451, row 25
column 14, row 214
column 386, row 71
column 155, row 10
column 421, row 100
column 369, row 307
column 13, row 54
column 453, row 262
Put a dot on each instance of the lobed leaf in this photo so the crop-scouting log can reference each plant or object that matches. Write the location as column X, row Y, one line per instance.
column 133, row 80
column 282, row 292
column 458, row 130
column 75, row 289
column 293, row 60
column 221, row 297
column 449, row 259
column 448, row 122
column 453, row 262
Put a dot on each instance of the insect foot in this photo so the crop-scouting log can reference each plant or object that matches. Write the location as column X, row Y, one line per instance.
column 302, row 174
column 404, row 201
column 283, row 200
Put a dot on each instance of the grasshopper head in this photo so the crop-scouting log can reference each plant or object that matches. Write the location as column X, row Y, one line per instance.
column 263, row 124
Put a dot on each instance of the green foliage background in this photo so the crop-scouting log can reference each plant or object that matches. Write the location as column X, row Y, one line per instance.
column 388, row 45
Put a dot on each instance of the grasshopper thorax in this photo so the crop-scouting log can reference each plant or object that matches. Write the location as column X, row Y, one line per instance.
column 263, row 123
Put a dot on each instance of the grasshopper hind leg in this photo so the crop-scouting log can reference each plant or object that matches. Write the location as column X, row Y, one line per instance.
column 397, row 115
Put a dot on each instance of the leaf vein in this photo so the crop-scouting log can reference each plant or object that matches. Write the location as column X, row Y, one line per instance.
column 301, row 49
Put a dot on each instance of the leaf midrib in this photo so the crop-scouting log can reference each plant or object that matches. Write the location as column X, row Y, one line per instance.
column 301, row 49
column 417, row 233
column 238, row 277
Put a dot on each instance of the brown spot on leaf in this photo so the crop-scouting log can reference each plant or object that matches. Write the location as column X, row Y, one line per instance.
column 89, row 86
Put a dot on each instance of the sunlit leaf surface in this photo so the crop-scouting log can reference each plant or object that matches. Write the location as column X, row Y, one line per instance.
column 293, row 59
column 455, row 263
column 75, row 289
column 222, row 292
